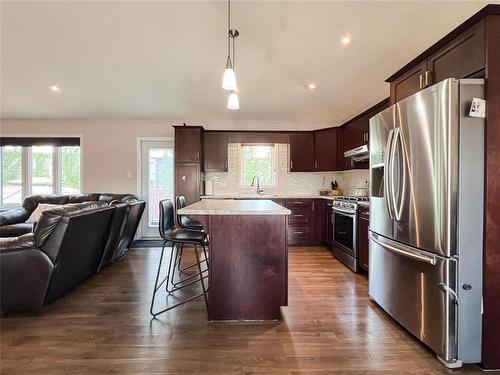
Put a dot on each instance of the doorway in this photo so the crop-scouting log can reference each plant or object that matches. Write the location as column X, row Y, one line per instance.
column 157, row 181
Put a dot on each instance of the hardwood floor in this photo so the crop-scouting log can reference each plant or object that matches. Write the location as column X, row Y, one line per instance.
column 104, row 327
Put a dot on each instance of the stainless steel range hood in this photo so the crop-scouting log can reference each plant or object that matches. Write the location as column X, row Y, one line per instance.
column 358, row 154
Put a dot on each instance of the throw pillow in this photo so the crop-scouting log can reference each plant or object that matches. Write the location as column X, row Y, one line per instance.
column 35, row 215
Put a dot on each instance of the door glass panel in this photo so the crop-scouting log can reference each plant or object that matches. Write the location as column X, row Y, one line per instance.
column 12, row 172
column 344, row 230
column 70, row 169
column 160, row 180
column 42, row 180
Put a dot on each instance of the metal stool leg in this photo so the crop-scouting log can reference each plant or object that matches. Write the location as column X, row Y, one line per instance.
column 180, row 258
column 158, row 275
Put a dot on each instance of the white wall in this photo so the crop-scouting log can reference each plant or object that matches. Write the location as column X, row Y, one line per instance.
column 109, row 146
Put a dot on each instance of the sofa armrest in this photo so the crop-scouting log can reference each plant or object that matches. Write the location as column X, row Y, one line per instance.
column 14, row 216
column 24, row 278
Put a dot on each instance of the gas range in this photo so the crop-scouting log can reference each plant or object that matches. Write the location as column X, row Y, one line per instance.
column 345, row 229
column 350, row 202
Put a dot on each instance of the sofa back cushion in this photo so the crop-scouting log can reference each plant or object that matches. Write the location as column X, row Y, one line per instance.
column 30, row 203
column 50, row 218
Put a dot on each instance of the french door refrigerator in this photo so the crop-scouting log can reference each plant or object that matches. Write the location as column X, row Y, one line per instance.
column 426, row 217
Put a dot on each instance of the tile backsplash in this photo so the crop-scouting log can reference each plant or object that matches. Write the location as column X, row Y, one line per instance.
column 227, row 183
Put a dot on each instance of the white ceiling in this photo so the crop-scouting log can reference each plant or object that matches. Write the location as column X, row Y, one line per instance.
column 165, row 59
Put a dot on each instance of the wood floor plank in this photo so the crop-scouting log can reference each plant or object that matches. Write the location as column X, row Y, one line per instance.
column 103, row 327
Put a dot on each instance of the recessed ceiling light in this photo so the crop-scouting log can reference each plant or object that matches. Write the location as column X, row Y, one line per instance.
column 312, row 86
column 346, row 39
column 55, row 88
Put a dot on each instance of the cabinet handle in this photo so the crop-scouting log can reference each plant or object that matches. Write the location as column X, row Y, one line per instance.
column 298, row 232
column 298, row 215
column 298, row 202
column 313, row 206
column 315, row 164
column 427, row 76
column 421, row 81
column 291, row 164
column 225, row 164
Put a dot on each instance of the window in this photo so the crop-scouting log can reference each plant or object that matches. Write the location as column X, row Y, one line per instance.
column 11, row 159
column 258, row 160
column 43, row 169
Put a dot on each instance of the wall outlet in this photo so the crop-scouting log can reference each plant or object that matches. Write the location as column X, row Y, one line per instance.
column 129, row 174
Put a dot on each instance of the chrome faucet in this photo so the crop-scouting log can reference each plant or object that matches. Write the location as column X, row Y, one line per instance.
column 259, row 190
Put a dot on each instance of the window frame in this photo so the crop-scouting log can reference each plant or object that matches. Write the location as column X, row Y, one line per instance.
column 27, row 174
column 274, row 164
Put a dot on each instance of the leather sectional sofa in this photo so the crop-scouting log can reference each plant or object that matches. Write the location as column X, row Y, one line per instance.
column 69, row 244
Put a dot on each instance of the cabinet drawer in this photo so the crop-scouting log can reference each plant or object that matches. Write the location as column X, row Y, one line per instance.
column 296, row 233
column 298, row 203
column 299, row 216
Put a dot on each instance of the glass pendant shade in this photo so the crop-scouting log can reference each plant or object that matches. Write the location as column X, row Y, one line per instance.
column 229, row 79
column 233, row 101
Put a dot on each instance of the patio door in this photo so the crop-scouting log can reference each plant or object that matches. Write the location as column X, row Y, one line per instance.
column 157, row 181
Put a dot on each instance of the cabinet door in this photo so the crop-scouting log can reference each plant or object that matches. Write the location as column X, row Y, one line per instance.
column 187, row 181
column 363, row 255
column 408, row 83
column 354, row 135
column 328, row 226
column 460, row 58
column 317, row 217
column 215, row 151
column 188, row 144
column 301, row 152
column 326, row 151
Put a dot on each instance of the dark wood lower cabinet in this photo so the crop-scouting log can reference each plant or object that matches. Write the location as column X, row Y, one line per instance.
column 363, row 252
column 305, row 224
column 327, row 225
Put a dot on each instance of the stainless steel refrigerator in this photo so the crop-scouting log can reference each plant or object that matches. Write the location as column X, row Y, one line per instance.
column 426, row 217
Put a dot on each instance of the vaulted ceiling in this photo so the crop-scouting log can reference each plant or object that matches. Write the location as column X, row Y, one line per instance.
column 165, row 59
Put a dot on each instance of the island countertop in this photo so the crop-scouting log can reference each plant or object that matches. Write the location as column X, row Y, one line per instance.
column 234, row 207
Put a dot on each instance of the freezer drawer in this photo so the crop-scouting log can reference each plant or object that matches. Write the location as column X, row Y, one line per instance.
column 416, row 288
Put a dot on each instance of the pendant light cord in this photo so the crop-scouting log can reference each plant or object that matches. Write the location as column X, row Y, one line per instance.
column 228, row 28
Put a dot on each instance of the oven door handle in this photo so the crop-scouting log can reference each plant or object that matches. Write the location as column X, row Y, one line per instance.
column 344, row 212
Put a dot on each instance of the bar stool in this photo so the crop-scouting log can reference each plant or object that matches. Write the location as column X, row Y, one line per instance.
column 184, row 222
column 178, row 236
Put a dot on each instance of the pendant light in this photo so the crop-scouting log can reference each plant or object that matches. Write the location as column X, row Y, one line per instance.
column 229, row 78
column 233, row 102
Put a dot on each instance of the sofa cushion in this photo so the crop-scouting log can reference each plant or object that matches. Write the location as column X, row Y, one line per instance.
column 51, row 217
column 80, row 198
column 15, row 230
column 35, row 215
column 24, row 240
column 30, row 203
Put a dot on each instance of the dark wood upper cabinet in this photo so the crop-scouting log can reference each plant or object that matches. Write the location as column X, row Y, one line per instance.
column 301, row 152
column 215, row 151
column 408, row 83
column 188, row 144
column 461, row 54
column 462, row 57
column 326, row 150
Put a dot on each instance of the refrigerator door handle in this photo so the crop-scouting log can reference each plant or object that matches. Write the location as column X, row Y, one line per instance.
column 398, row 209
column 446, row 288
column 403, row 250
column 387, row 172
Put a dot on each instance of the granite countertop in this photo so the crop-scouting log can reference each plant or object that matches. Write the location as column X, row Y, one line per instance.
column 234, row 207
column 269, row 196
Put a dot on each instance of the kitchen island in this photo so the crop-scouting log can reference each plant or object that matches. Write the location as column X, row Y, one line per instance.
column 248, row 257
